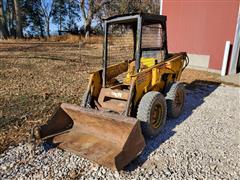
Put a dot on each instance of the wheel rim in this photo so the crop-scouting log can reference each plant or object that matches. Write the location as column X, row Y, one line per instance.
column 156, row 116
column 178, row 101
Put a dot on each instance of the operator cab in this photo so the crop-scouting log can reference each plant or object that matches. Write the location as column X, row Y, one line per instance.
column 139, row 39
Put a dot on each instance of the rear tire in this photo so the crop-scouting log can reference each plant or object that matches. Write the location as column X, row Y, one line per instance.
column 175, row 98
column 152, row 112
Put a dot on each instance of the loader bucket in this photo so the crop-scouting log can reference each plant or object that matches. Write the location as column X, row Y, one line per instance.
column 108, row 139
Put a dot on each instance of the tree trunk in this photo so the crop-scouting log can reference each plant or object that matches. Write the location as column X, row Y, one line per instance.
column 48, row 27
column 87, row 15
column 87, row 27
column 1, row 31
column 3, row 25
column 41, row 31
column 18, row 19
column 1, row 22
column 60, row 25
column 41, row 26
column 9, row 19
column 11, row 24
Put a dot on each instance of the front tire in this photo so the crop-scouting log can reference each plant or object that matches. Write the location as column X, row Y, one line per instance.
column 152, row 112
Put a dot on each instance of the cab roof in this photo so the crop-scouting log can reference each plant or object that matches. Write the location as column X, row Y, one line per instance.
column 147, row 18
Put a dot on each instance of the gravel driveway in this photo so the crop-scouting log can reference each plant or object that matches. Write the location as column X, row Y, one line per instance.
column 204, row 143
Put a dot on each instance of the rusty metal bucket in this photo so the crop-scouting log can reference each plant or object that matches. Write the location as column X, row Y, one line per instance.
column 108, row 139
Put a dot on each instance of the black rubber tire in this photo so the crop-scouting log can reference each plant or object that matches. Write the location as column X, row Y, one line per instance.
column 175, row 98
column 86, row 98
column 147, row 106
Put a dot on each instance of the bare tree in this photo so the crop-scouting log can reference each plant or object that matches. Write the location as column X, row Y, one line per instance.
column 134, row 6
column 1, row 21
column 89, row 8
column 19, row 31
column 46, row 11
column 3, row 25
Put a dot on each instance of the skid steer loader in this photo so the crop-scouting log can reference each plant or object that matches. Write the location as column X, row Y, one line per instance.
column 124, row 101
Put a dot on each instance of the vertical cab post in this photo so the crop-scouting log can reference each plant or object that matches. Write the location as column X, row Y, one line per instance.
column 139, row 43
column 165, row 46
column 105, row 49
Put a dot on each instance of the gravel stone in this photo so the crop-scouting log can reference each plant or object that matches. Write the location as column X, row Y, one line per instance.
column 203, row 143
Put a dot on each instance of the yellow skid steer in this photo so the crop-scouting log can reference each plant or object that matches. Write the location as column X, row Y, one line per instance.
column 124, row 101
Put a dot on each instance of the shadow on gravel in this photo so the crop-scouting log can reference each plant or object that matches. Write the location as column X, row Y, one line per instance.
column 195, row 95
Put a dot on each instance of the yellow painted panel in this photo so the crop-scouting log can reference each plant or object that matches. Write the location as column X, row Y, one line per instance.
column 148, row 61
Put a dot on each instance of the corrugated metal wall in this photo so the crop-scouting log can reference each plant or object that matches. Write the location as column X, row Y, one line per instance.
column 201, row 27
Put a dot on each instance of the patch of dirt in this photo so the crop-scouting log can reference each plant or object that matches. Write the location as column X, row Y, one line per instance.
column 36, row 77
column 190, row 75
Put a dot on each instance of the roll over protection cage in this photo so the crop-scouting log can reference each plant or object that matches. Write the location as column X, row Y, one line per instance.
column 137, row 20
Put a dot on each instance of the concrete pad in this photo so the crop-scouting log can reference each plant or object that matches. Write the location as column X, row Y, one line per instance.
column 231, row 79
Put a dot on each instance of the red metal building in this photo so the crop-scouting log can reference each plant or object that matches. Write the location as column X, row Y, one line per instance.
column 202, row 27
